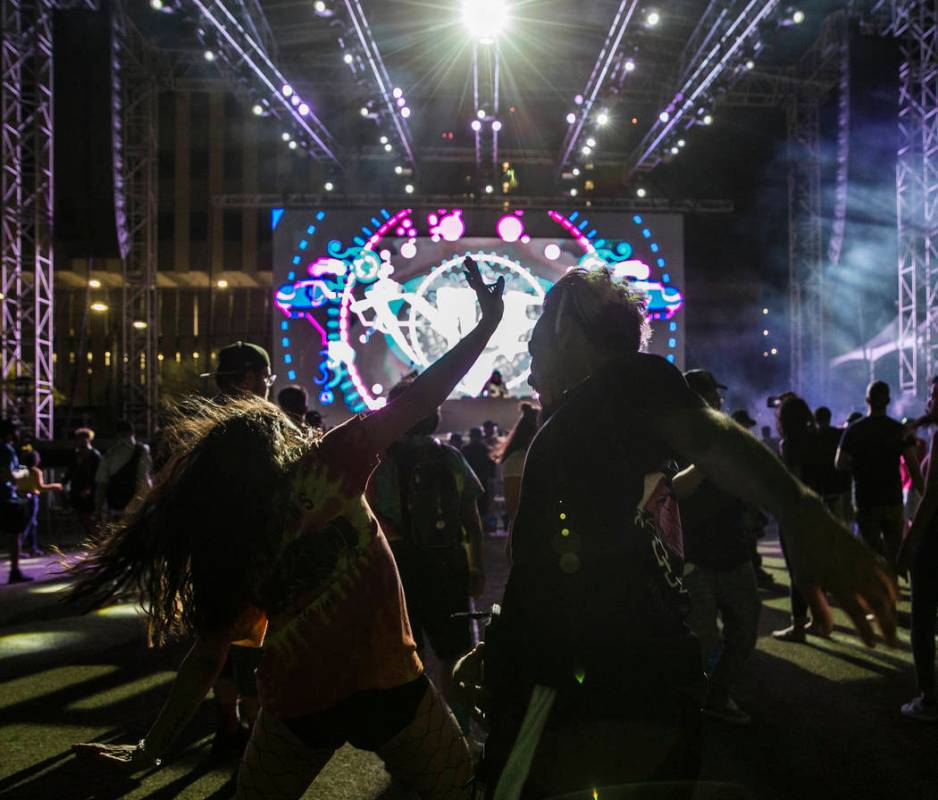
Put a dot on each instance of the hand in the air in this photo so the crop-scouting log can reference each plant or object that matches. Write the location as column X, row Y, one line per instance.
column 825, row 557
column 131, row 756
column 489, row 295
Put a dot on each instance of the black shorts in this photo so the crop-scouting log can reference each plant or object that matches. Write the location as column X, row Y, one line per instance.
column 366, row 720
column 436, row 586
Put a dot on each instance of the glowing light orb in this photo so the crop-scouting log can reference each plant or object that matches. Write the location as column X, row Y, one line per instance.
column 485, row 19
column 408, row 249
column 510, row 228
column 377, row 389
column 552, row 252
column 449, row 227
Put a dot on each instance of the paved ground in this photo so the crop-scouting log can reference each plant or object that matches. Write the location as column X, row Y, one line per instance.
column 826, row 720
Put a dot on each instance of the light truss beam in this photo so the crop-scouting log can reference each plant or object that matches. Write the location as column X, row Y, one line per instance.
column 486, row 75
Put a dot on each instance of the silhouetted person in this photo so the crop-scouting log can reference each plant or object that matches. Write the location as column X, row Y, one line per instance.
column 294, row 402
column 479, row 456
column 243, row 367
column 80, row 478
column 870, row 450
column 125, row 474
column 834, row 483
column 14, row 513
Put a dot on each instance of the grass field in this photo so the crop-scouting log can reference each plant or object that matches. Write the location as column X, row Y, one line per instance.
column 826, row 717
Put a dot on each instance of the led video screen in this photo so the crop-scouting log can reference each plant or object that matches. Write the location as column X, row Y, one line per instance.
column 363, row 298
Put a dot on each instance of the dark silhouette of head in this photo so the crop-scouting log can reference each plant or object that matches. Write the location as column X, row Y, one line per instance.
column 314, row 419
column 294, row 401
column 766, row 432
column 855, row 416
column 244, row 367
column 475, row 434
column 823, row 416
column 795, row 420
column 522, row 434
column 877, row 396
column 124, row 429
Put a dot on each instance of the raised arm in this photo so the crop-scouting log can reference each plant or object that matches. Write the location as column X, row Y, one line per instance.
column 435, row 384
column 823, row 552
column 924, row 514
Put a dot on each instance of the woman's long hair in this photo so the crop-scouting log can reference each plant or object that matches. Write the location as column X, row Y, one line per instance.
column 795, row 420
column 211, row 529
column 520, row 436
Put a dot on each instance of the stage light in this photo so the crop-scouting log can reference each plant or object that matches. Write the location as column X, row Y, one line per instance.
column 578, row 99
column 765, row 333
column 602, row 119
column 750, row 64
column 652, row 18
column 398, row 92
column 257, row 109
column 774, row 351
column 481, row 113
column 476, row 125
column 329, row 186
column 94, row 283
column 576, row 172
column 640, row 192
column 303, row 109
column 409, row 188
column 319, row 7
column 208, row 55
column 99, row 307
column 364, row 111
column 398, row 170
column 708, row 119
column 292, row 145
column 388, row 148
column 765, row 311
column 591, row 142
column 295, row 100
column 489, row 188
column 383, row 140
column 401, row 102
column 630, row 65
column 484, row 19
column 571, row 118
column 573, row 192
column 348, row 58
column 286, row 90
column 765, row 354
column 139, row 325
column 681, row 142
column 221, row 283
column 405, row 112
column 664, row 116
column 156, row 5
column 586, row 150
column 675, row 151
column 798, row 17
column 285, row 136
column 496, row 126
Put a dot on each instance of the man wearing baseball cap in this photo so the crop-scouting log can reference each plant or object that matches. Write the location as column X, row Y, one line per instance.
column 243, row 367
column 718, row 574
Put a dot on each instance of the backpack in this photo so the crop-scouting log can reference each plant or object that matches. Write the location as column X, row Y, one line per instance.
column 122, row 485
column 430, row 499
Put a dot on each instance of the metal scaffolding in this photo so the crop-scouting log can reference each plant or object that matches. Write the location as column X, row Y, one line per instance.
column 26, row 259
column 135, row 126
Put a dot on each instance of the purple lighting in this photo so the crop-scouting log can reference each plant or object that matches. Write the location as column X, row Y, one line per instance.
column 405, row 112
column 398, row 92
column 287, row 90
column 304, row 109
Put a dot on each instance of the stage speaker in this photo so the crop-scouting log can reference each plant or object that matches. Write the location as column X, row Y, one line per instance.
column 84, row 171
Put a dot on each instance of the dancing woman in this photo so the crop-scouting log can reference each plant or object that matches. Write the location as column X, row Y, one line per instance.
column 256, row 532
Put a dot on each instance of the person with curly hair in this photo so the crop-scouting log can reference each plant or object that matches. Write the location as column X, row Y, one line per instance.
column 258, row 531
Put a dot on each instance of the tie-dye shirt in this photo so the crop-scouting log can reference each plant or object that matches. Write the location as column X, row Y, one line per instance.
column 337, row 618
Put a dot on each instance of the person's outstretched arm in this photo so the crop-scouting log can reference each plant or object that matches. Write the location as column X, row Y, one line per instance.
column 822, row 551
column 196, row 675
column 436, row 383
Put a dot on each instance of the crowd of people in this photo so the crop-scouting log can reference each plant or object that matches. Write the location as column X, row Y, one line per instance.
column 310, row 566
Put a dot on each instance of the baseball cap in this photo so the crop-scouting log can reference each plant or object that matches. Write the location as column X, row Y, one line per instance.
column 702, row 381
column 234, row 359
column 743, row 418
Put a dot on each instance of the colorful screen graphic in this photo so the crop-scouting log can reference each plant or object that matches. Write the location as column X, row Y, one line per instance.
column 363, row 299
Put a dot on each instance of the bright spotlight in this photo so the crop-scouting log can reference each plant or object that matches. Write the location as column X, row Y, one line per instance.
column 286, row 90
column 329, row 186
column 388, row 148
column 664, row 116
column 798, row 17
column 571, row 118
column 481, row 113
column 640, row 192
column 398, row 92
column 303, row 109
column 292, row 145
column 99, row 308
column 156, row 5
column 208, row 55
column 409, row 188
column 485, row 19
column 681, row 142
column 476, row 125
column 348, row 58
column 576, row 172
column 489, row 188
column 319, row 6
column 364, row 111
column 285, row 136
column 405, row 112
column 652, row 18
column 675, row 151
column 708, row 119
column 573, row 192
column 383, row 140
column 750, row 64
column 630, row 65
column 591, row 142
column 586, row 150
column 257, row 109
column 496, row 126
column 94, row 283
column 221, row 283
column 398, row 170
column 602, row 119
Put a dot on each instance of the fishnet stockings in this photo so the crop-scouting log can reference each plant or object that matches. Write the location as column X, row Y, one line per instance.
column 276, row 764
column 430, row 755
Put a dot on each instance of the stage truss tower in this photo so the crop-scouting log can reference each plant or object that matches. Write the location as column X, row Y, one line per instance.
column 26, row 271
